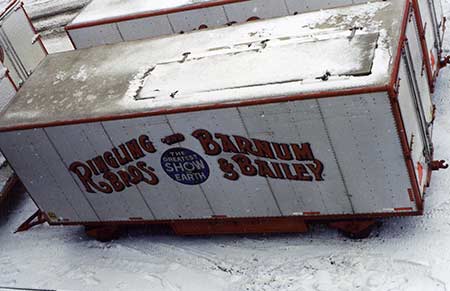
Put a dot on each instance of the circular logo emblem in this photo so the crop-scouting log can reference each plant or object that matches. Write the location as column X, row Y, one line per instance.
column 185, row 166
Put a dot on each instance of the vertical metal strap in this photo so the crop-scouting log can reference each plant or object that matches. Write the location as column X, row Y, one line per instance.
column 417, row 100
column 436, row 31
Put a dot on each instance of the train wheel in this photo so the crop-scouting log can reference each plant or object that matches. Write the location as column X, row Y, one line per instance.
column 103, row 233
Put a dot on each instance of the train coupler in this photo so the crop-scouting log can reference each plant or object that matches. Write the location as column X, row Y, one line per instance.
column 438, row 165
column 444, row 62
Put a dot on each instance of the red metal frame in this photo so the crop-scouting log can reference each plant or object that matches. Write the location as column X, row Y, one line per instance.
column 393, row 94
column 34, row 29
column 308, row 218
column 423, row 43
column 11, row 80
column 37, row 218
column 10, row 4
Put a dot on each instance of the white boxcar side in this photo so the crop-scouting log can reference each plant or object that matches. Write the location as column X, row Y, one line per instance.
column 261, row 127
column 106, row 22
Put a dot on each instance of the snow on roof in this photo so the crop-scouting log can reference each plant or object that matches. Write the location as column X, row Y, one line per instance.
column 352, row 46
column 261, row 63
column 110, row 9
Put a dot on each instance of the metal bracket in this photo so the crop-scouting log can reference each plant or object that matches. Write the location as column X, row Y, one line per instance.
column 444, row 62
column 411, row 143
column 444, row 22
column 424, row 65
column 35, row 38
column 36, row 219
column 397, row 88
column 437, row 165
column 433, row 116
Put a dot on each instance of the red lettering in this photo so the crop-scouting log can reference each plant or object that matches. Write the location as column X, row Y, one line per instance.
column 149, row 171
column 110, row 160
column 119, row 158
column 245, row 165
column 287, row 172
column 244, row 144
column 84, row 174
column 125, row 177
column 302, row 173
column 92, row 166
column 303, row 152
column 100, row 164
column 316, row 169
column 228, row 170
column 227, row 144
column 136, row 175
column 278, row 171
column 264, row 169
column 126, row 154
column 282, row 151
column 263, row 149
column 210, row 147
column 135, row 149
column 114, row 181
column 146, row 144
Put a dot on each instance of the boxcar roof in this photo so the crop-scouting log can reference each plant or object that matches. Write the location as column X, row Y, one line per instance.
column 100, row 10
column 329, row 50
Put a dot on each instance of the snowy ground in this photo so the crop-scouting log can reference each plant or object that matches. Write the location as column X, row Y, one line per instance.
column 404, row 254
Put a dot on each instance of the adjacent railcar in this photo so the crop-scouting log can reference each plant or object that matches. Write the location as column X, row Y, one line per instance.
column 21, row 50
column 108, row 21
column 21, row 46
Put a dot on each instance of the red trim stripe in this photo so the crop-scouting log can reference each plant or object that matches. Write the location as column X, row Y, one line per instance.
column 307, row 219
column 34, row 29
column 11, row 80
column 403, row 209
column 150, row 14
column 311, row 213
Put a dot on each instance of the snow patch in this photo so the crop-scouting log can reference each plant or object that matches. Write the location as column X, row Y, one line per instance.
column 105, row 9
column 137, row 83
column 81, row 75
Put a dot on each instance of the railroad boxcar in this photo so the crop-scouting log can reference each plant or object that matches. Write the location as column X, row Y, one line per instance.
column 266, row 126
